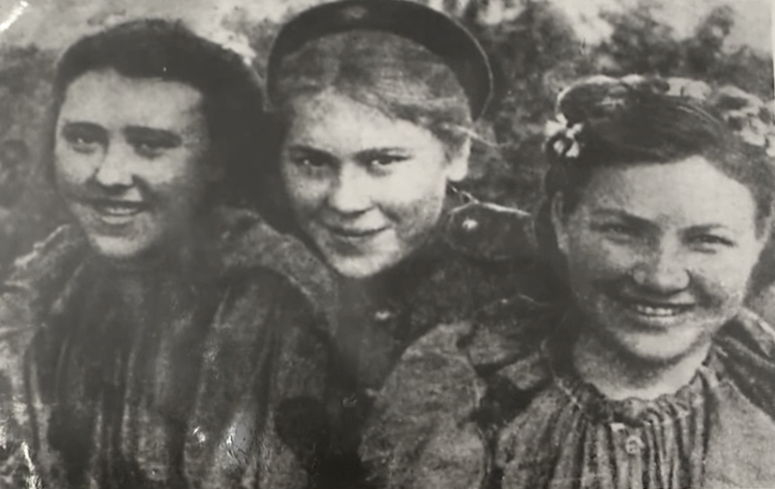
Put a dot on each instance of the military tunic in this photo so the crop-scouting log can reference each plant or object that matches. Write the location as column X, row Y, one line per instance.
column 481, row 255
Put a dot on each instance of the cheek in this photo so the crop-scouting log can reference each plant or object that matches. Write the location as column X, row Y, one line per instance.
column 71, row 168
column 303, row 193
column 183, row 177
column 724, row 277
column 416, row 188
column 416, row 207
column 597, row 259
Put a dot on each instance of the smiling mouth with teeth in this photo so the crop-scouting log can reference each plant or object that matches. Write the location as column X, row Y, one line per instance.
column 117, row 209
column 662, row 311
column 655, row 310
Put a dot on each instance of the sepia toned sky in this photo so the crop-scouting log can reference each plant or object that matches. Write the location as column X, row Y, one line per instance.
column 56, row 23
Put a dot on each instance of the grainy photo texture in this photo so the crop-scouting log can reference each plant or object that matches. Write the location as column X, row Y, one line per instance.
column 387, row 244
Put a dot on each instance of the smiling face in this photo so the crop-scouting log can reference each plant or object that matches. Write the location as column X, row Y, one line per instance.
column 366, row 188
column 659, row 255
column 130, row 160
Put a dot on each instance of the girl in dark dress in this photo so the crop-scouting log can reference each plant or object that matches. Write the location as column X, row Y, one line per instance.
column 138, row 343
column 651, row 374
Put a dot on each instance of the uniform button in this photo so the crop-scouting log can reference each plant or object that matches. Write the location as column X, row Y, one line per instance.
column 383, row 315
column 372, row 393
column 469, row 224
column 633, row 445
column 618, row 427
column 200, row 436
column 350, row 402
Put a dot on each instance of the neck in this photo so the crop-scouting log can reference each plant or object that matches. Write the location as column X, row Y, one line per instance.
column 177, row 253
column 619, row 377
column 154, row 261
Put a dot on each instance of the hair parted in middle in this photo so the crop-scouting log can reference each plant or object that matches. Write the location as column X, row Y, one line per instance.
column 233, row 103
column 384, row 71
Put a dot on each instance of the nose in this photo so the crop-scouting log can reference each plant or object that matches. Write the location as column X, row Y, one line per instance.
column 114, row 170
column 663, row 271
column 351, row 191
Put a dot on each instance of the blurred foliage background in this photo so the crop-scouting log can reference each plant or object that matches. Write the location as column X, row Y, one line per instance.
column 535, row 52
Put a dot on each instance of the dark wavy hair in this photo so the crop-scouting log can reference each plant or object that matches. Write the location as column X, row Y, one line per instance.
column 612, row 122
column 167, row 50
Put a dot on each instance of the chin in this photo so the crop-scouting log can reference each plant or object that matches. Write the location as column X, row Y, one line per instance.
column 360, row 267
column 656, row 353
column 117, row 249
column 356, row 268
column 659, row 349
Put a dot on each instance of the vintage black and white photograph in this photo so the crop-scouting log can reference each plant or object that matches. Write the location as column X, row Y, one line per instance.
column 387, row 244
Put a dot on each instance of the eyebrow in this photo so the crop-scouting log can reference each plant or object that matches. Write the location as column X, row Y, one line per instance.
column 704, row 228
column 69, row 126
column 310, row 151
column 361, row 155
column 613, row 212
column 604, row 212
column 372, row 153
column 639, row 221
column 162, row 137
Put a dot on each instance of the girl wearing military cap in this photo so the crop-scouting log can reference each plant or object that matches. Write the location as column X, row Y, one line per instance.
column 377, row 101
column 652, row 374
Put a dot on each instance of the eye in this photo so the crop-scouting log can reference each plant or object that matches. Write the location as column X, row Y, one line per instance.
column 310, row 162
column 84, row 142
column 148, row 149
column 150, row 143
column 711, row 242
column 617, row 229
column 387, row 160
column 621, row 232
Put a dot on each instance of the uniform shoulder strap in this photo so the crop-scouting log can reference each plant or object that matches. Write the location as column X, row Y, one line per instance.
column 489, row 231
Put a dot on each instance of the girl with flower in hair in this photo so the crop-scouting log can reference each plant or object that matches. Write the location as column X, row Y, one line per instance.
column 650, row 373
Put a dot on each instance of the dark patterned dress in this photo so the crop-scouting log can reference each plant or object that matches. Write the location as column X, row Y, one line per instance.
column 162, row 378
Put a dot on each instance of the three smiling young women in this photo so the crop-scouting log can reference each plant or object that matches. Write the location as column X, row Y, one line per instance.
column 168, row 341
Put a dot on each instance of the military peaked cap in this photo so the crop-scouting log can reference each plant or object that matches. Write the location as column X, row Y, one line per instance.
column 433, row 30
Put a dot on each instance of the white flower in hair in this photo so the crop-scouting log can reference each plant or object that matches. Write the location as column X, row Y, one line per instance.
column 554, row 127
column 566, row 142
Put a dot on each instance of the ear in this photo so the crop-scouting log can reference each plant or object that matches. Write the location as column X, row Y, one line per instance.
column 559, row 223
column 458, row 163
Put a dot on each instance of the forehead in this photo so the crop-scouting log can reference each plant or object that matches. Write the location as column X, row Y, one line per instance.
column 687, row 190
column 332, row 121
column 109, row 98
